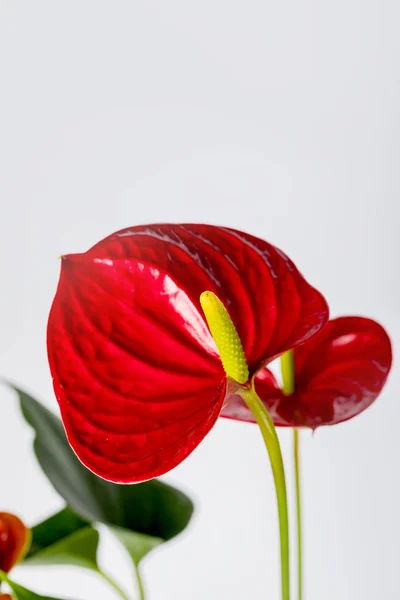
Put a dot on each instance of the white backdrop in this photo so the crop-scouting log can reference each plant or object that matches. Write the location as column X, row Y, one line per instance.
column 280, row 118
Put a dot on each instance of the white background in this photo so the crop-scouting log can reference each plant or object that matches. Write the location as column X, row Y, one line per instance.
column 276, row 117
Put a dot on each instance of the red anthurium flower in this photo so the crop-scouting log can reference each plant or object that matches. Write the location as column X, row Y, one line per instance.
column 136, row 372
column 338, row 374
column 14, row 541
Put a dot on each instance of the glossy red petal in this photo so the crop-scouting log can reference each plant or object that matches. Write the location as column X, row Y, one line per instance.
column 339, row 373
column 14, row 541
column 272, row 306
column 136, row 372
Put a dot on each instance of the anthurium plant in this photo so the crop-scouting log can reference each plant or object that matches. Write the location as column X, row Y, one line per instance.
column 156, row 332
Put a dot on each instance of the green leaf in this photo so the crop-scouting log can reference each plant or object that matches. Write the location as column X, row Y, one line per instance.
column 21, row 593
column 66, row 539
column 147, row 510
column 54, row 529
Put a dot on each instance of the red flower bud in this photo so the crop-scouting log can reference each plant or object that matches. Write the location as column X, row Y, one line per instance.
column 14, row 541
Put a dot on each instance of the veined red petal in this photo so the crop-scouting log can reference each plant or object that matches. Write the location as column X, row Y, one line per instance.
column 271, row 305
column 136, row 371
column 14, row 541
column 338, row 374
column 288, row 310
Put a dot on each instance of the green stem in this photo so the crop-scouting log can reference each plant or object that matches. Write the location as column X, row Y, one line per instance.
column 287, row 368
column 288, row 386
column 114, row 585
column 271, row 440
column 139, row 582
column 296, row 456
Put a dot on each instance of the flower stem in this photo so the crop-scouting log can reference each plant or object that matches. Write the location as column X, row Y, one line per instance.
column 288, row 385
column 114, row 585
column 139, row 582
column 271, row 440
column 296, row 456
column 287, row 368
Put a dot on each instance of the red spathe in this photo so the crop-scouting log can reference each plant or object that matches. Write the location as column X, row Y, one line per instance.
column 338, row 374
column 136, row 372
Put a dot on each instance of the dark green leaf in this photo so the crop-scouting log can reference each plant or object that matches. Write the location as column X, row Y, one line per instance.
column 21, row 593
column 64, row 538
column 54, row 529
column 152, row 509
